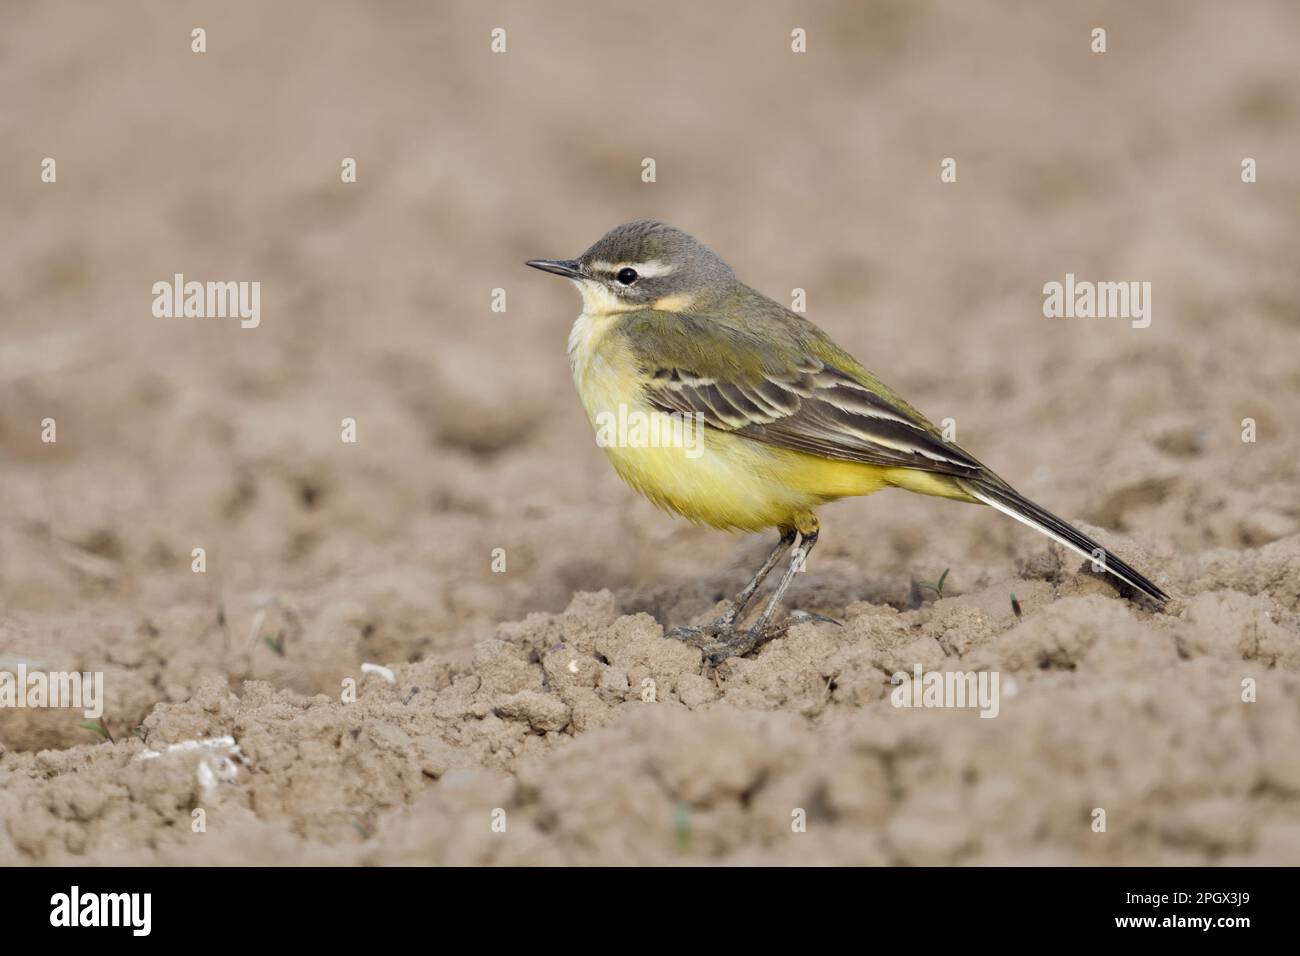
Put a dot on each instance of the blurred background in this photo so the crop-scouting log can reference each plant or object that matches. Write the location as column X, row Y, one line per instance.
column 817, row 171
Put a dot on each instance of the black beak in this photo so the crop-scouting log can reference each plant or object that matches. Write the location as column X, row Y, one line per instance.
column 569, row 268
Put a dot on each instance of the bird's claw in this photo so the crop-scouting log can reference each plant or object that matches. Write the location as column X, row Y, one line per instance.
column 804, row 617
column 719, row 641
column 702, row 634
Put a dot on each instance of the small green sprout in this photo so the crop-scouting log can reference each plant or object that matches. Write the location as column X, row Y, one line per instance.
column 99, row 728
column 682, row 827
column 936, row 587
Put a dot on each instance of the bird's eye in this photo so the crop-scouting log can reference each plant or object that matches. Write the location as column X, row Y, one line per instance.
column 626, row 276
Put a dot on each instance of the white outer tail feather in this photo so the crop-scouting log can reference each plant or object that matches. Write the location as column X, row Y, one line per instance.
column 1069, row 545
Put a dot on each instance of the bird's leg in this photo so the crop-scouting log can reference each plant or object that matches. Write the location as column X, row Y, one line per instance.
column 797, row 561
column 763, row 631
column 732, row 614
column 725, row 624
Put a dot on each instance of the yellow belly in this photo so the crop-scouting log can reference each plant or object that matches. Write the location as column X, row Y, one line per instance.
column 742, row 484
column 725, row 480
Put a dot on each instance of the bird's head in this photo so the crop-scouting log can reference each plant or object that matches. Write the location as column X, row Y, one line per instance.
column 644, row 264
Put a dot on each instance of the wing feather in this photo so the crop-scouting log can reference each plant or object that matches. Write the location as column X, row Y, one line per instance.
column 740, row 383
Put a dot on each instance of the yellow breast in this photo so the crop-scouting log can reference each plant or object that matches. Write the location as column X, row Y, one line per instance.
column 708, row 476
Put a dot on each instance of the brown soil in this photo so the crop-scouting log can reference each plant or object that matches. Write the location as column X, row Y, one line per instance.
column 544, row 697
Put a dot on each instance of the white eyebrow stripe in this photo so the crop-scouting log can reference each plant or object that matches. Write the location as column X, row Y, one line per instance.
column 647, row 270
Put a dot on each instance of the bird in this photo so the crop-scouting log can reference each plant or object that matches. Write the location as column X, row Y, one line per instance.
column 671, row 341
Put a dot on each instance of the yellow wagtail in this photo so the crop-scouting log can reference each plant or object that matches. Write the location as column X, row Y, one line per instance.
column 790, row 420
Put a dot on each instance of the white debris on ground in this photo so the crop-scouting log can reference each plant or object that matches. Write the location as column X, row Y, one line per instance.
column 384, row 672
column 220, row 759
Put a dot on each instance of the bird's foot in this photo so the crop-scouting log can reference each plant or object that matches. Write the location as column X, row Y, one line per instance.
column 721, row 627
column 720, row 640
column 702, row 634
column 741, row 643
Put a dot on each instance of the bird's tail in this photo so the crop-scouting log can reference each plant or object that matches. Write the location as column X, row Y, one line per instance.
column 1011, row 502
